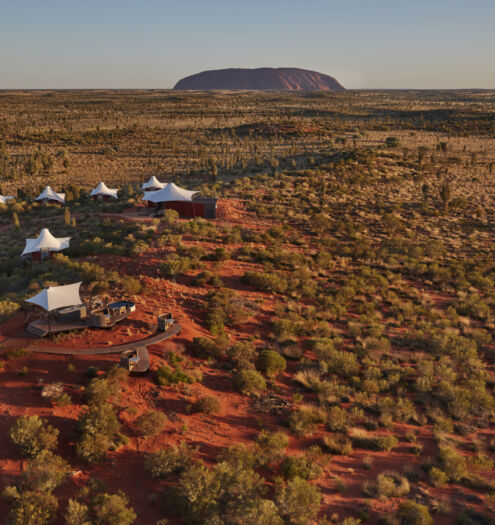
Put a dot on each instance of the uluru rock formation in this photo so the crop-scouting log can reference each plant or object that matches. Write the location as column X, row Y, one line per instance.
column 282, row 78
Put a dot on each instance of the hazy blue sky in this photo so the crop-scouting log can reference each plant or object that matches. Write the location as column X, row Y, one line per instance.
column 152, row 43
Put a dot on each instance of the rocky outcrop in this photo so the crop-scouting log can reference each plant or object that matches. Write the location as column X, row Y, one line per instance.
column 283, row 78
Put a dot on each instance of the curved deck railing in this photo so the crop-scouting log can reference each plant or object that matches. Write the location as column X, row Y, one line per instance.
column 157, row 337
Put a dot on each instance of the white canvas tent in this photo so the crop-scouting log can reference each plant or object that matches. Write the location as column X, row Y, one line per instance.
column 46, row 242
column 103, row 191
column 153, row 184
column 4, row 199
column 55, row 297
column 169, row 193
column 49, row 195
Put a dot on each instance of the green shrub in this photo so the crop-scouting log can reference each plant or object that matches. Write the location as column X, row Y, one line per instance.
column 300, row 467
column 388, row 484
column 46, row 472
column 386, row 443
column 438, row 477
column 305, row 420
column 453, row 464
column 33, row 435
column 151, row 423
column 97, row 425
column 33, row 508
column 298, row 501
column 338, row 444
column 112, row 509
column 131, row 285
column 412, row 513
column 270, row 363
column 168, row 461
column 249, row 382
column 166, row 376
column 76, row 513
column 271, row 445
column 207, row 405
column 204, row 348
column 100, row 389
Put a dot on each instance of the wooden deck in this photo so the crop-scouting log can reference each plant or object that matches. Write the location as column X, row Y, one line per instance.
column 41, row 327
column 157, row 337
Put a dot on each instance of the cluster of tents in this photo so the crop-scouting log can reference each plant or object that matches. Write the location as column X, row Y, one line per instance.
column 156, row 194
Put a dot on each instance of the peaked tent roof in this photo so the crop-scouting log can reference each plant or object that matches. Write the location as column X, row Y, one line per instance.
column 55, row 297
column 153, row 183
column 102, row 189
column 46, row 241
column 5, row 198
column 170, row 192
column 48, row 193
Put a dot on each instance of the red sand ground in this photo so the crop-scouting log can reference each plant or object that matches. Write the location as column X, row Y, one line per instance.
column 236, row 422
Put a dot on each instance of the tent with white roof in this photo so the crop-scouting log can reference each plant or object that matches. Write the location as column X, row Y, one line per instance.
column 55, row 297
column 169, row 193
column 153, row 184
column 185, row 202
column 4, row 199
column 45, row 242
column 103, row 192
column 48, row 195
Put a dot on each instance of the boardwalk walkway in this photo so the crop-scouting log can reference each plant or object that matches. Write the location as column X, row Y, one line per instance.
column 157, row 337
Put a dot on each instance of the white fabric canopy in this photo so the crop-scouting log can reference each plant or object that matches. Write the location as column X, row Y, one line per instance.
column 49, row 194
column 153, row 183
column 46, row 241
column 102, row 189
column 55, row 297
column 170, row 192
column 4, row 199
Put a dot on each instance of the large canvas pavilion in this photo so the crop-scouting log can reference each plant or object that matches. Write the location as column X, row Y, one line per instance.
column 103, row 192
column 44, row 245
column 186, row 202
column 56, row 297
column 48, row 196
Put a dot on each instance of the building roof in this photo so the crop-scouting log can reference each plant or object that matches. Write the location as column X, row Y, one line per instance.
column 5, row 198
column 49, row 194
column 102, row 189
column 46, row 241
column 153, row 183
column 169, row 193
column 55, row 297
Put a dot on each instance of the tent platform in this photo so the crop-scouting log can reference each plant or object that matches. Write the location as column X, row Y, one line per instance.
column 42, row 328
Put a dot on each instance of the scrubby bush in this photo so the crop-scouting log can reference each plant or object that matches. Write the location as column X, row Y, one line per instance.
column 298, row 501
column 76, row 513
column 249, row 382
column 338, row 444
column 97, row 425
column 205, row 348
column 169, row 461
column 33, row 508
column 412, row 513
column 207, row 405
column 270, row 363
column 112, row 509
column 388, row 484
column 271, row 445
column 365, row 441
column 305, row 420
column 46, row 472
column 151, row 423
column 33, row 434
column 166, row 376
